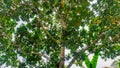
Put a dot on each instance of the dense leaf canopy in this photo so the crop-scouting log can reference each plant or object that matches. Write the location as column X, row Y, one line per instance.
column 52, row 26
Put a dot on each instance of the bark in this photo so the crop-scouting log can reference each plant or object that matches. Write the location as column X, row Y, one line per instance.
column 64, row 26
column 62, row 55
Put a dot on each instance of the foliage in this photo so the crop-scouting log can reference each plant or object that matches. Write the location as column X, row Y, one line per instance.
column 55, row 25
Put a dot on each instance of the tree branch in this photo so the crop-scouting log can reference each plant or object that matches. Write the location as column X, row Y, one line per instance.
column 37, row 53
column 79, row 51
column 45, row 30
column 116, row 37
column 37, row 11
column 58, row 42
column 42, row 54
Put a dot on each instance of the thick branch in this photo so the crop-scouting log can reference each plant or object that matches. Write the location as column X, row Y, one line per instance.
column 74, row 57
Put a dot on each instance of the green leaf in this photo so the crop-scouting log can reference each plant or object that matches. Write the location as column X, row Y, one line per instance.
column 87, row 61
column 95, row 59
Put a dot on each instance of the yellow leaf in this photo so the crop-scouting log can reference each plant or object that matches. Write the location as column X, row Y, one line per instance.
column 113, row 21
column 98, row 21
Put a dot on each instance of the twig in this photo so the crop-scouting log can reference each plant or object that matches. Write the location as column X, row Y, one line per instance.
column 42, row 54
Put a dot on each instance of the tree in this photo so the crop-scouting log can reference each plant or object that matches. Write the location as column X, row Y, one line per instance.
column 55, row 25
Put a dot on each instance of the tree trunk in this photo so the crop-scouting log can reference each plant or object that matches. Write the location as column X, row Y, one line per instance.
column 62, row 55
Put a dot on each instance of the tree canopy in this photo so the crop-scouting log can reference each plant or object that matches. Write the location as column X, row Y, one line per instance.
column 52, row 26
